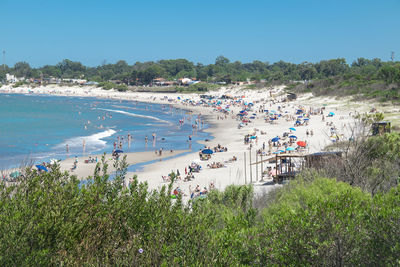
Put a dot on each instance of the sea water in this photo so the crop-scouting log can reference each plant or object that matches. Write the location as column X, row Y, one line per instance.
column 36, row 128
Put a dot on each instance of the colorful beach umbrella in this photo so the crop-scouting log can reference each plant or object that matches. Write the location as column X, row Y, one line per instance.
column 207, row 151
column 301, row 143
column 15, row 174
column 42, row 168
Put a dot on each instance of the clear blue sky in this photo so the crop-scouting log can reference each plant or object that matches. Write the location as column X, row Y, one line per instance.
column 90, row 31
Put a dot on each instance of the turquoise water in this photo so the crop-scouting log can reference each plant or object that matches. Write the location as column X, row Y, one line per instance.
column 37, row 128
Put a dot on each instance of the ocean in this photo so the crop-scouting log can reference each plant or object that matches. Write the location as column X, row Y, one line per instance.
column 37, row 128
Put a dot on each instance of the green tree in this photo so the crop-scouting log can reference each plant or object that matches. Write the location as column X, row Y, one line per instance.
column 22, row 69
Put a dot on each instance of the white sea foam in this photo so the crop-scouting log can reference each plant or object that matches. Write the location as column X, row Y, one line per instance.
column 91, row 141
column 134, row 114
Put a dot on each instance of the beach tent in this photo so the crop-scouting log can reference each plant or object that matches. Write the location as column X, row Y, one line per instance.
column 207, row 151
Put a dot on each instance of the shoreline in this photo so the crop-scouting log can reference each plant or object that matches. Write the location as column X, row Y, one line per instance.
column 226, row 132
column 67, row 163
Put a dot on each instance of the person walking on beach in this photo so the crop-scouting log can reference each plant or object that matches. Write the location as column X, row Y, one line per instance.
column 67, row 147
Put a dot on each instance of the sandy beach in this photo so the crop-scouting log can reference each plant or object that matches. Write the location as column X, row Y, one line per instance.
column 224, row 128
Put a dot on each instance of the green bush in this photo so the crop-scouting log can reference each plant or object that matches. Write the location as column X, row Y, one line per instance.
column 54, row 219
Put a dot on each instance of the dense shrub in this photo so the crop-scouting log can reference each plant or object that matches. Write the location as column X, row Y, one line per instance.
column 54, row 219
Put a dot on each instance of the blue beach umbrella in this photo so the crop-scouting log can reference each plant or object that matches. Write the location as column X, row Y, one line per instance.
column 276, row 139
column 293, row 136
column 276, row 152
column 253, row 137
column 293, row 129
column 42, row 168
column 331, row 114
column 119, row 151
column 280, row 150
column 290, row 149
column 207, row 151
column 306, row 119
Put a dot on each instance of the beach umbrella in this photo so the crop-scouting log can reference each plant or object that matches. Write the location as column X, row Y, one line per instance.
column 252, row 117
column 290, row 149
column 306, row 119
column 253, row 137
column 331, row 114
column 300, row 117
column 293, row 136
column 276, row 139
column 119, row 151
column 298, row 122
column 207, row 151
column 42, row 168
column 280, row 150
column 15, row 174
column 293, row 129
column 301, row 143
column 277, row 152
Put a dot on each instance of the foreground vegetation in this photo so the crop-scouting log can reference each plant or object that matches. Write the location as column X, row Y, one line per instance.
column 54, row 219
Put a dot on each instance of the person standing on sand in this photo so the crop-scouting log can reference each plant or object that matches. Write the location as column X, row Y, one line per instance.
column 145, row 139
column 67, row 147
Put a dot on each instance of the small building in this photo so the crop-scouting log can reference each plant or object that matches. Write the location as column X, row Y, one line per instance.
column 379, row 128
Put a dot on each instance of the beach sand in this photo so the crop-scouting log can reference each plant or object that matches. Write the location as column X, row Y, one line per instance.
column 225, row 132
column 84, row 170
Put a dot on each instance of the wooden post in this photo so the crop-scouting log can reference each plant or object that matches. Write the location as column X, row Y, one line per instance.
column 251, row 173
column 262, row 169
column 245, row 178
column 256, row 166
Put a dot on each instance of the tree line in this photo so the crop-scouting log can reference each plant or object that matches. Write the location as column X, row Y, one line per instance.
column 223, row 70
